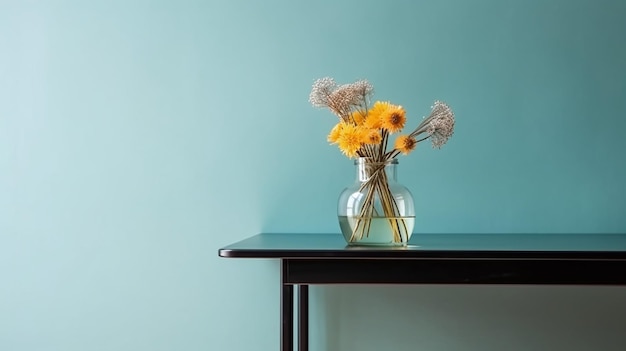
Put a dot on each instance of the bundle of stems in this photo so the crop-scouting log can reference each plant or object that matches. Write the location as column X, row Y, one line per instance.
column 376, row 189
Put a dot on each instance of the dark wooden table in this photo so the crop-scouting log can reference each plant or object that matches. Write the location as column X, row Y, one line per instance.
column 539, row 259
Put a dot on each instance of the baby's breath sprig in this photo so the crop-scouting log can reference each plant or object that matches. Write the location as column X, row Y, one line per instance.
column 341, row 100
column 439, row 125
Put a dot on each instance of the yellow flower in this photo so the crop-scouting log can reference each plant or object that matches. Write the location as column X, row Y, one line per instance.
column 393, row 118
column 372, row 136
column 405, row 144
column 358, row 117
column 350, row 139
column 373, row 115
column 334, row 134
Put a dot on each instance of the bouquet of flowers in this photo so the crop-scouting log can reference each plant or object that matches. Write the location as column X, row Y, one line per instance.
column 365, row 130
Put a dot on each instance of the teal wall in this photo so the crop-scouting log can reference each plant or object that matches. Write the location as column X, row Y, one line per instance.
column 138, row 137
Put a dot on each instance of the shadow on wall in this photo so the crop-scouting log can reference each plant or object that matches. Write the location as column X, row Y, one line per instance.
column 472, row 318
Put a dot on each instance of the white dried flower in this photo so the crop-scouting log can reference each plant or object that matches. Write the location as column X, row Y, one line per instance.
column 362, row 88
column 321, row 91
column 349, row 95
column 340, row 99
column 441, row 126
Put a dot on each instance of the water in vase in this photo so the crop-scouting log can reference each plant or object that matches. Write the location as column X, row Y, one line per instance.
column 379, row 231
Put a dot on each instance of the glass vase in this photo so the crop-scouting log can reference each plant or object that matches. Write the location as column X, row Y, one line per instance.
column 376, row 210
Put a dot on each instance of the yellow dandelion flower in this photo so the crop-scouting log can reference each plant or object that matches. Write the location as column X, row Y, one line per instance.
column 393, row 118
column 373, row 115
column 405, row 144
column 372, row 136
column 358, row 117
column 350, row 139
column 334, row 134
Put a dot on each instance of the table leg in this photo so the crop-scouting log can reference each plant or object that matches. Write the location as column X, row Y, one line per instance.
column 286, row 312
column 303, row 317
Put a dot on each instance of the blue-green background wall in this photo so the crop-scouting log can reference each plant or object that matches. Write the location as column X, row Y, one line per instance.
column 138, row 137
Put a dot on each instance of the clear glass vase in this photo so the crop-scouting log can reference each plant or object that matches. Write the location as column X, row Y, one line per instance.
column 376, row 210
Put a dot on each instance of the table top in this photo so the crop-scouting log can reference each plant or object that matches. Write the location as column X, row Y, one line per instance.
column 435, row 246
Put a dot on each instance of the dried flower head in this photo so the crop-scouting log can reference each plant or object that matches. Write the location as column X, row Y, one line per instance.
column 352, row 94
column 350, row 139
column 373, row 119
column 393, row 118
column 441, row 127
column 320, row 93
column 405, row 144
